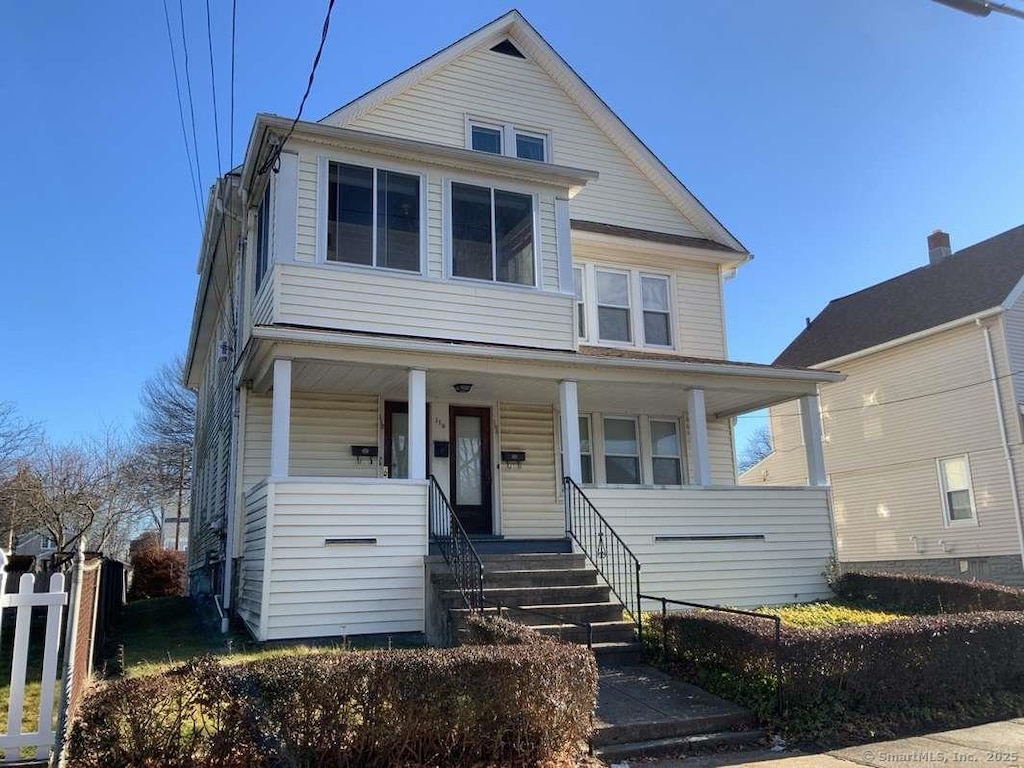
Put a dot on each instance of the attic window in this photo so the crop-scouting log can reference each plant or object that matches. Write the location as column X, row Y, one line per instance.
column 506, row 47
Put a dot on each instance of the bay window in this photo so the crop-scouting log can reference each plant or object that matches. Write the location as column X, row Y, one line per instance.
column 492, row 234
column 373, row 217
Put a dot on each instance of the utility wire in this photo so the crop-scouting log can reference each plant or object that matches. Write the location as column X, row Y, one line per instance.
column 181, row 117
column 830, row 411
column 231, row 138
column 213, row 88
column 188, row 84
column 272, row 158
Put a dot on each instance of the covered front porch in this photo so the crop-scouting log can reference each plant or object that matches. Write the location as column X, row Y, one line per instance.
column 337, row 454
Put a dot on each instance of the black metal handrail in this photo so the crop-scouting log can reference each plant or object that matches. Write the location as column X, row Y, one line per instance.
column 458, row 551
column 604, row 548
column 665, row 602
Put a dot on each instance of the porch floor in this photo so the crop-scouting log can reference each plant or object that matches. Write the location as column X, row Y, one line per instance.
column 641, row 710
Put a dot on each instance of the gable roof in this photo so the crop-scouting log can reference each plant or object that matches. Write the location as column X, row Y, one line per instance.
column 972, row 280
column 525, row 38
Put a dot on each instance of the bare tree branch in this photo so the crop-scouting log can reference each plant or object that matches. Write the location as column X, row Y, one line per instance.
column 759, row 445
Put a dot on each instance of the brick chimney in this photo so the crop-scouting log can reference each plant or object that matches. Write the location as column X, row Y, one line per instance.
column 938, row 246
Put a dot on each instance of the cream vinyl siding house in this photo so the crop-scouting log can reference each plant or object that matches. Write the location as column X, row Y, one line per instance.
column 916, row 408
column 438, row 305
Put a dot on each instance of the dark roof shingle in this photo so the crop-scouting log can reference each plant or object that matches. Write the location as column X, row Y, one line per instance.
column 972, row 280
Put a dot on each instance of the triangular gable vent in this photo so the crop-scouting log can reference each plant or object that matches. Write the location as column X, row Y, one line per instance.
column 506, row 47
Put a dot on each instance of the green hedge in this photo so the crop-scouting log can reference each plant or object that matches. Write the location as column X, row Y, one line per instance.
column 926, row 594
column 832, row 673
column 505, row 705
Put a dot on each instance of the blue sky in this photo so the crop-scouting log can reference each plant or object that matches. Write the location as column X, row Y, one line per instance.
column 829, row 136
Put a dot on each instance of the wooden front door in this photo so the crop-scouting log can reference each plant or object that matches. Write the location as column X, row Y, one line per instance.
column 470, row 463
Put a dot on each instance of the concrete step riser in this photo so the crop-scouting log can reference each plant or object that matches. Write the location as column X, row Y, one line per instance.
column 506, row 579
column 588, row 612
column 533, row 562
column 695, row 744
column 618, row 656
column 517, row 596
column 571, row 634
column 639, row 732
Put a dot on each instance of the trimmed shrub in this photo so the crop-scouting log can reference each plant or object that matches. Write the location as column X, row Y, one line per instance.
column 491, row 705
column 157, row 572
column 926, row 594
column 496, row 630
column 829, row 673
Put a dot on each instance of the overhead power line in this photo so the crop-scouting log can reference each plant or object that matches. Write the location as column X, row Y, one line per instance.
column 272, row 158
column 213, row 88
column 188, row 84
column 231, row 120
column 181, row 116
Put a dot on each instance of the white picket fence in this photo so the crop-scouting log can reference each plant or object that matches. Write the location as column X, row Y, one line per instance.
column 25, row 600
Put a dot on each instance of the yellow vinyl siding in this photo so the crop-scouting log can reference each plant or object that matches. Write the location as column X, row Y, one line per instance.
column 787, row 463
column 699, row 314
column 530, row 504
column 502, row 88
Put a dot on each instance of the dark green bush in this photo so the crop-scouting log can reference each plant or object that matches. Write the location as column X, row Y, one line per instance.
column 835, row 672
column 491, row 705
column 918, row 593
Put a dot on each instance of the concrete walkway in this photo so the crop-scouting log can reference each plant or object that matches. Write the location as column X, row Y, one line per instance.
column 996, row 745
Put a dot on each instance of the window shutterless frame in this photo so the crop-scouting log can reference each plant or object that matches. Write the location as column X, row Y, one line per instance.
column 509, row 144
column 663, row 313
column 622, row 458
column 945, row 467
column 614, row 307
column 322, row 186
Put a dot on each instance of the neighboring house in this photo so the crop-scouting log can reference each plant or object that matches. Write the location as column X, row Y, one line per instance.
column 923, row 438
column 174, row 532
column 462, row 275
column 34, row 543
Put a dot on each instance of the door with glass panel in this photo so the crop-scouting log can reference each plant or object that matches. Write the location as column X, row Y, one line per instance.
column 470, row 462
column 396, row 439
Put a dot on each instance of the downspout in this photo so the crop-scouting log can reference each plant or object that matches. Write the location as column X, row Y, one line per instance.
column 229, row 522
column 1006, row 443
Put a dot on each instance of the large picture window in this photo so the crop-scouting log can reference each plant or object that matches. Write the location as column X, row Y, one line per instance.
column 492, row 234
column 373, row 217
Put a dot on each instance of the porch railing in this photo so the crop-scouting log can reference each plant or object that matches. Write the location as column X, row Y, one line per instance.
column 461, row 557
column 604, row 548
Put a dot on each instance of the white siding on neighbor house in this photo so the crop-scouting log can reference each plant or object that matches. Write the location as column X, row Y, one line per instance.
column 321, row 590
column 499, row 88
column 881, row 459
column 699, row 314
column 254, row 550
column 531, row 505
column 323, row 430
column 385, row 302
column 787, row 566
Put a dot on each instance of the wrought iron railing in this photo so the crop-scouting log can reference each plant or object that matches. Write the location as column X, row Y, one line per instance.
column 604, row 548
column 446, row 531
column 776, row 624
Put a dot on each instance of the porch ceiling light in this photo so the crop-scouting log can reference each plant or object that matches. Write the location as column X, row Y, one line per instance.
column 462, row 388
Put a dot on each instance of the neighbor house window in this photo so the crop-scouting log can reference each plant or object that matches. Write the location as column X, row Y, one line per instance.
column 262, row 238
column 621, row 452
column 666, row 456
column 581, row 309
column 492, row 234
column 586, row 452
column 957, row 497
column 509, row 140
column 613, row 304
column 373, row 217
column 657, row 315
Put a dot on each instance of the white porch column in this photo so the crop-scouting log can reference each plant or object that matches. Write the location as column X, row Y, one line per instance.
column 810, row 420
column 698, row 421
column 280, row 418
column 417, row 425
column 570, row 412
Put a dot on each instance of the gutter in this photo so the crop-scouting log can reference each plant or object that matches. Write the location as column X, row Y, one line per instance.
column 1007, row 455
column 470, row 350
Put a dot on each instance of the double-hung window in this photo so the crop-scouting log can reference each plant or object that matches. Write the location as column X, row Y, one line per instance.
column 666, row 453
column 507, row 139
column 373, row 217
column 957, row 497
column 492, row 234
column 586, row 452
column 262, row 239
column 621, row 451
column 613, row 306
column 657, row 314
column 581, row 307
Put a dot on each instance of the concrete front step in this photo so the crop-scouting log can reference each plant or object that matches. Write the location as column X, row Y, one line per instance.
column 694, row 744
column 516, row 596
column 644, row 731
column 603, row 632
column 617, row 654
column 569, row 577
column 534, row 562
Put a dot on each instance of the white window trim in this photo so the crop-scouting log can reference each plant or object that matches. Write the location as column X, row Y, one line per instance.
column 630, row 314
column 639, row 449
column 640, row 275
column 681, row 457
column 449, row 271
column 582, row 332
column 508, row 135
column 946, row 512
column 636, row 310
column 323, row 181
